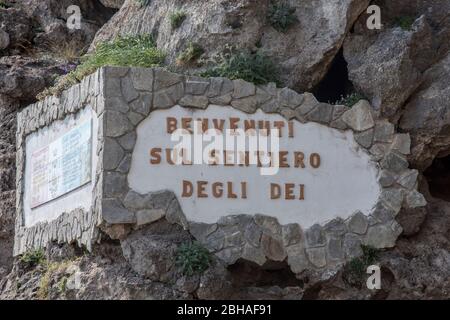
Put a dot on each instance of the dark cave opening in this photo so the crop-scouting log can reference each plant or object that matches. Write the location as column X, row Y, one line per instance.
column 249, row 274
column 336, row 83
column 438, row 178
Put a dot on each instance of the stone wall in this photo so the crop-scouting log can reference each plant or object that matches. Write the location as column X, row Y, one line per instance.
column 123, row 97
column 78, row 225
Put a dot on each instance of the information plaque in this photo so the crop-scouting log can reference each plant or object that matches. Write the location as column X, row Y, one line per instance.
column 62, row 166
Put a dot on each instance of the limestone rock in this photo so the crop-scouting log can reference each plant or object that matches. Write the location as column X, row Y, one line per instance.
column 151, row 251
column 411, row 219
column 113, row 212
column 304, row 53
column 415, row 199
column 112, row 154
column 317, row 256
column 112, row 3
column 359, row 117
column 15, row 28
column 427, row 116
column 4, row 40
column 358, row 223
column 215, row 283
column 148, row 216
column 382, row 236
column 387, row 67
column 20, row 78
column 51, row 17
column 273, row 248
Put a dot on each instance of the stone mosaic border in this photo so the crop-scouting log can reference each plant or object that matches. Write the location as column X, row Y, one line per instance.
column 131, row 94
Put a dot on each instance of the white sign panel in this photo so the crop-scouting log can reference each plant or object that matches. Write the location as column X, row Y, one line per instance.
column 322, row 174
column 62, row 166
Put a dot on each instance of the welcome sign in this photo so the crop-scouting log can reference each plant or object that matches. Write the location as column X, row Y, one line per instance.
column 221, row 161
column 252, row 172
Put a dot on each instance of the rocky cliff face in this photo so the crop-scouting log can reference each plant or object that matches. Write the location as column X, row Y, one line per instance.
column 35, row 48
column 402, row 69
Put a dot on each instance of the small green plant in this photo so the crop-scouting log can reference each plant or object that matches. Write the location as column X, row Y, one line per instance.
column 355, row 269
column 405, row 22
column 144, row 3
column 192, row 258
column 4, row 5
column 33, row 258
column 46, row 281
column 349, row 100
column 252, row 67
column 62, row 284
column 281, row 16
column 190, row 54
column 176, row 19
column 136, row 51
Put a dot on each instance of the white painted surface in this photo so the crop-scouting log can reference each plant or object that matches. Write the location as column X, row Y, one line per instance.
column 345, row 182
column 78, row 198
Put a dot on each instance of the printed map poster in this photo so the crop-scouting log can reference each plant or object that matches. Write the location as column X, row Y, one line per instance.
column 62, row 166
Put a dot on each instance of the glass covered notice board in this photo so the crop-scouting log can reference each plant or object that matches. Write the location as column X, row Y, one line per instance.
column 62, row 166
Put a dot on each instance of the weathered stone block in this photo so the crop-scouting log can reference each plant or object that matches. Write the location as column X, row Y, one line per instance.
column 384, row 131
column 415, row 199
column 142, row 79
column 128, row 91
column 273, row 248
column 381, row 236
column 165, row 79
column 196, row 85
column 365, row 138
column 408, row 179
column 317, row 256
column 253, row 254
column 315, row 236
column 335, row 250
column 112, row 154
column 289, row 98
column 359, row 117
column 352, row 245
column 143, row 104
column 322, row 113
column 292, row 234
column 358, row 223
column 394, row 162
column 117, row 124
column 148, row 216
column 114, row 213
column 402, row 143
column 297, row 259
column 194, row 101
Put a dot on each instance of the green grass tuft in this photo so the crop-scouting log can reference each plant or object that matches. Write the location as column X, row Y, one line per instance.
column 281, row 16
column 33, row 258
column 3, row 5
column 135, row 51
column 190, row 54
column 176, row 19
column 192, row 258
column 355, row 270
column 252, row 67
column 62, row 284
column 405, row 22
column 349, row 100
column 144, row 3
